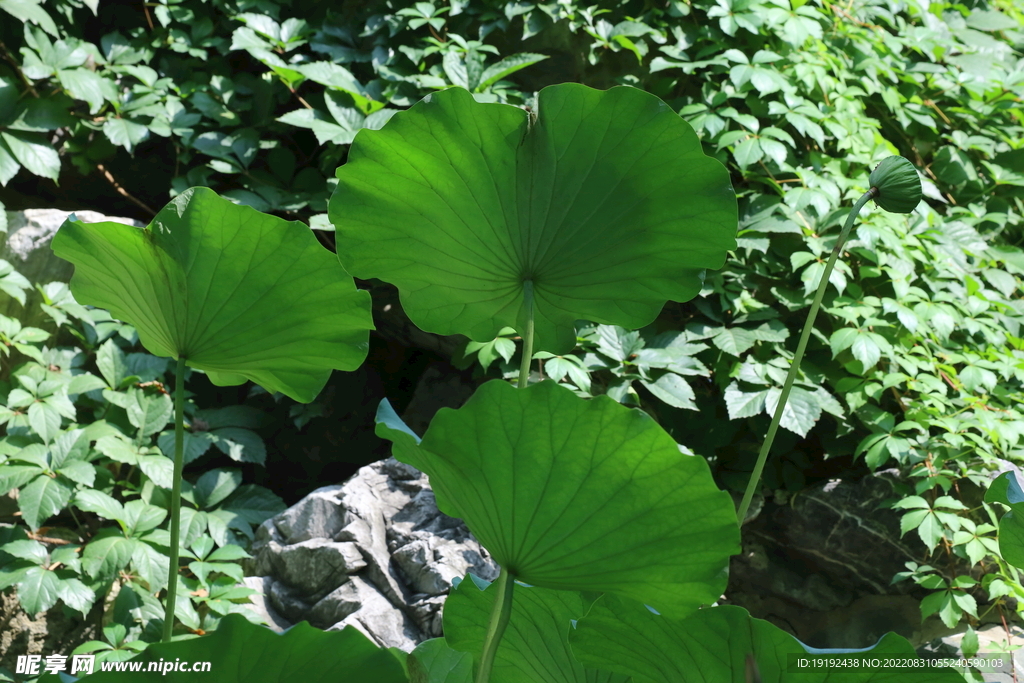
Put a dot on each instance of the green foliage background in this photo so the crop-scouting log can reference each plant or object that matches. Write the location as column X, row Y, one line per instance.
column 919, row 363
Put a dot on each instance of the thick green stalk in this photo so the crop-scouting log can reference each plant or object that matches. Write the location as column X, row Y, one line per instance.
column 502, row 610
column 179, row 443
column 762, row 457
column 524, row 364
column 500, row 615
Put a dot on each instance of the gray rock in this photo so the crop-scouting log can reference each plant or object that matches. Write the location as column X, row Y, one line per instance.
column 27, row 249
column 315, row 516
column 820, row 565
column 260, row 604
column 374, row 553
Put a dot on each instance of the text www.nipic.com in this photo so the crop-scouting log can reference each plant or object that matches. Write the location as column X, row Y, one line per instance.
column 160, row 666
column 85, row 664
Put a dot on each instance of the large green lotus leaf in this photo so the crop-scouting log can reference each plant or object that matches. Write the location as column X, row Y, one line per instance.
column 607, row 204
column 242, row 652
column 239, row 294
column 577, row 494
column 1007, row 490
column 535, row 646
column 712, row 645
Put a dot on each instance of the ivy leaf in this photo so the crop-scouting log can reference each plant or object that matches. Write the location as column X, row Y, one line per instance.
column 157, row 467
column 282, row 326
column 75, row 594
column 15, row 476
column 9, row 166
column 105, row 556
column 673, row 390
column 242, row 445
column 39, row 590
column 149, row 413
column 151, row 564
column 618, row 343
column 84, row 84
column 801, row 412
column 254, row 504
column 865, row 348
column 100, row 503
column 506, row 67
column 43, row 498
column 31, row 151
column 30, row 11
column 973, row 377
column 734, row 340
column 110, row 361
column 45, row 419
column 125, row 133
column 744, row 404
column 537, row 188
column 194, row 444
column 193, row 524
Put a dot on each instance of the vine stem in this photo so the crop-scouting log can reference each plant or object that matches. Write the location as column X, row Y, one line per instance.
column 179, row 443
column 524, row 365
column 500, row 615
column 762, row 458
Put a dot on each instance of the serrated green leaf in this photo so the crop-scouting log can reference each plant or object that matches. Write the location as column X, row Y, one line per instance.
column 124, row 133
column 801, row 412
column 148, row 412
column 742, row 404
column 110, row 361
column 104, row 557
column 673, row 390
column 31, row 151
column 102, row 504
column 42, row 498
column 38, row 590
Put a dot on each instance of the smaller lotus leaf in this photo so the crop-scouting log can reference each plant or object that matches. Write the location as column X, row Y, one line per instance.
column 242, row 652
column 577, row 494
column 713, row 644
column 239, row 294
column 606, row 204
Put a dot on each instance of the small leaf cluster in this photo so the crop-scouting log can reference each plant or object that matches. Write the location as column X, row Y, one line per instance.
column 86, row 460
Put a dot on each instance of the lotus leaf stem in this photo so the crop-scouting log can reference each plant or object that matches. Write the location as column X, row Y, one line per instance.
column 524, row 365
column 755, row 476
column 179, row 461
column 502, row 610
column 500, row 615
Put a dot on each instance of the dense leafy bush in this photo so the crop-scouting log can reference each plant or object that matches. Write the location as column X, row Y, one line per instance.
column 86, row 450
column 259, row 101
column 613, row 541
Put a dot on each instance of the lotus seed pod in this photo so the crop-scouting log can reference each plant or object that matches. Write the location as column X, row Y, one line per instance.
column 898, row 187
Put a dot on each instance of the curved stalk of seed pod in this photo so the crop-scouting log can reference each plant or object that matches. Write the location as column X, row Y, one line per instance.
column 179, row 442
column 762, row 457
column 500, row 615
column 524, row 364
